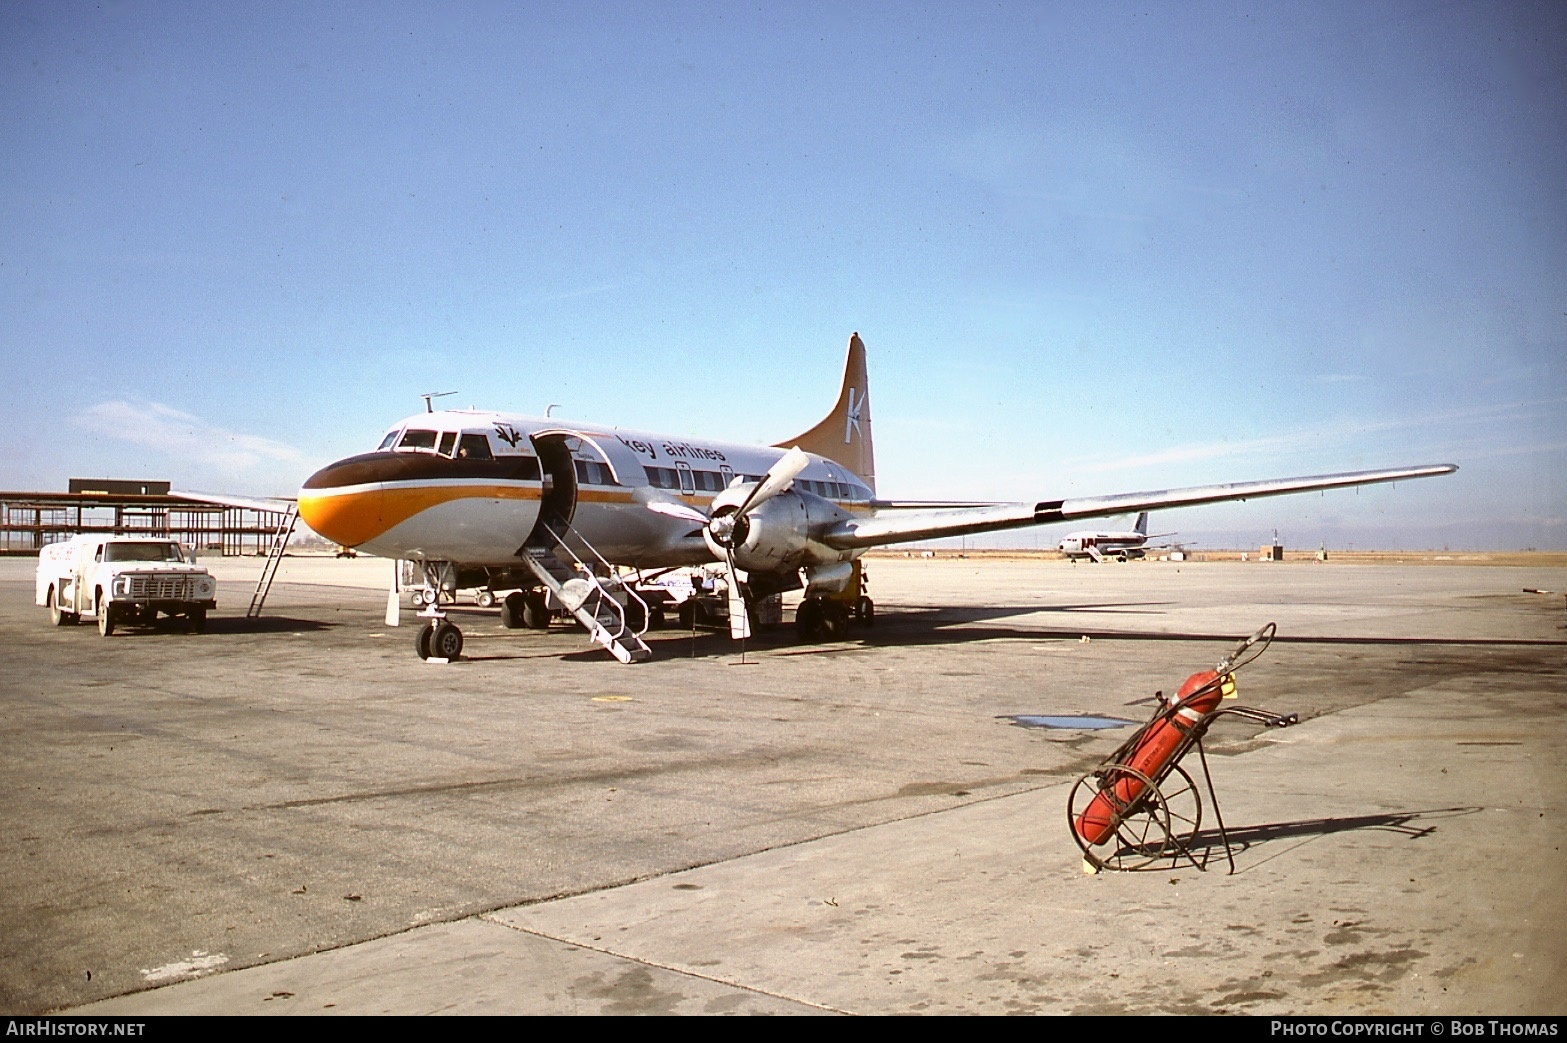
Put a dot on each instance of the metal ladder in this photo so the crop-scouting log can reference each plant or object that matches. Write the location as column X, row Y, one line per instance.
column 285, row 529
column 586, row 595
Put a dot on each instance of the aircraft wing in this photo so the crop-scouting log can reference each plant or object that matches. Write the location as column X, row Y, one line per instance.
column 881, row 527
column 275, row 504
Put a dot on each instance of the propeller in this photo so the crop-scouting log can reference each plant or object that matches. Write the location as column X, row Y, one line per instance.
column 778, row 477
column 723, row 528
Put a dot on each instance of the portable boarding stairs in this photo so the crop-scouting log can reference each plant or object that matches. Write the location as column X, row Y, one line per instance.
column 586, row 594
column 280, row 538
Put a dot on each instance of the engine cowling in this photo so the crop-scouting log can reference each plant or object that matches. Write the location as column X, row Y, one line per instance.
column 778, row 535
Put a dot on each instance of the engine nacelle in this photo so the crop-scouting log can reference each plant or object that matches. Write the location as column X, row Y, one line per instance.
column 778, row 535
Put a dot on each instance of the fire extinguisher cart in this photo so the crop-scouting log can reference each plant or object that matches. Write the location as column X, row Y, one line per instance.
column 1140, row 809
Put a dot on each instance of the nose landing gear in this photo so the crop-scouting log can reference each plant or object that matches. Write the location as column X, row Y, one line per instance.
column 438, row 637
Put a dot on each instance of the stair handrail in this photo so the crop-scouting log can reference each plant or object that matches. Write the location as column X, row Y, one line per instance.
column 619, row 610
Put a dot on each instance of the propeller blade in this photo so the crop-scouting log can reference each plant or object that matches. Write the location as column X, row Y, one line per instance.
column 677, row 510
column 739, row 618
column 778, row 476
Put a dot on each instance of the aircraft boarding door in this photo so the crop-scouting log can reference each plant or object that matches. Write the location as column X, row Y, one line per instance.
column 559, row 498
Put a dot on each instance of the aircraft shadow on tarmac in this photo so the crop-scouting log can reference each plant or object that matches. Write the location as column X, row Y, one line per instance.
column 228, row 626
column 268, row 625
column 914, row 626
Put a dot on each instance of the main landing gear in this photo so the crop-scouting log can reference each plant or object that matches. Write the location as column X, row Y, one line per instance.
column 526, row 609
column 828, row 618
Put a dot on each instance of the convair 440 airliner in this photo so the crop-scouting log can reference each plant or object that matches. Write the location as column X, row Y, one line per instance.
column 484, row 498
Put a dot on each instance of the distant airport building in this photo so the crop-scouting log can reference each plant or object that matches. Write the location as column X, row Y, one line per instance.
column 30, row 520
column 118, row 487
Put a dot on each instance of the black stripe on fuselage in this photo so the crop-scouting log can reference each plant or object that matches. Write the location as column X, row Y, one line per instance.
column 369, row 468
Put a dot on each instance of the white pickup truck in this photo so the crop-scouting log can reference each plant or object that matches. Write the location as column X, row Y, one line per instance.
column 123, row 581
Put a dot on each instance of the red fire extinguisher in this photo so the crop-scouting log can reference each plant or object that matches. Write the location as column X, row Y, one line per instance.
column 1199, row 696
column 1147, row 754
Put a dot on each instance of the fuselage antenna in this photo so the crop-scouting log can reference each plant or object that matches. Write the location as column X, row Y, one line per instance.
column 428, row 395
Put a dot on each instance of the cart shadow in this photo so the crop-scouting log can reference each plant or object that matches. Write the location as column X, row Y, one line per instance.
column 1208, row 846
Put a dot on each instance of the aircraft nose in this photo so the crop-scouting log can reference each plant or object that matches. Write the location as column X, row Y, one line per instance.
column 343, row 501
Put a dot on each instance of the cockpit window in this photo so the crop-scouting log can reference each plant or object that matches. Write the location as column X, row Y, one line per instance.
column 474, row 447
column 448, row 443
column 386, row 443
column 415, row 439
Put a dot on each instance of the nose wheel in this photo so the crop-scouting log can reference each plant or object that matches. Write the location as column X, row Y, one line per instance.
column 438, row 639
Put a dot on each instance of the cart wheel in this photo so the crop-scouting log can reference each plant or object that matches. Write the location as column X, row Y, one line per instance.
column 1149, row 824
column 485, row 599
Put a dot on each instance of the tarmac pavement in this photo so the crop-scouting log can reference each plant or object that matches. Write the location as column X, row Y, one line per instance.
column 859, row 829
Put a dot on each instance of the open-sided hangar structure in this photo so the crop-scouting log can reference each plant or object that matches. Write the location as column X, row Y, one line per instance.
column 30, row 520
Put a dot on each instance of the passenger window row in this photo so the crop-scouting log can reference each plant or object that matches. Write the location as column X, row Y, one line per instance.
column 590, row 472
column 701, row 481
column 712, row 481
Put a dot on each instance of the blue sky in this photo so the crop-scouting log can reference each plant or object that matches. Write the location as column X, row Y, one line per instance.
column 1091, row 248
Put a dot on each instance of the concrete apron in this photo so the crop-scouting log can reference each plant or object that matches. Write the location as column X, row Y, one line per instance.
column 1398, row 857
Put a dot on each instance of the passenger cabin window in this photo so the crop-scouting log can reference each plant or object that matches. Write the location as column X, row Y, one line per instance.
column 414, row 439
column 590, row 472
column 474, row 447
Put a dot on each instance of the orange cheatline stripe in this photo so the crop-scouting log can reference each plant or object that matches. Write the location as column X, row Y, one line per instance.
column 353, row 518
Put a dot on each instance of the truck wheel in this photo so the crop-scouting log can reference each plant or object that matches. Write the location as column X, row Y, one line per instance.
column 107, row 617
column 485, row 598
column 57, row 615
column 196, row 620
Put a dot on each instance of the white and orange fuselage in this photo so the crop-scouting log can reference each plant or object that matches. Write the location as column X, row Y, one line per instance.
column 471, row 487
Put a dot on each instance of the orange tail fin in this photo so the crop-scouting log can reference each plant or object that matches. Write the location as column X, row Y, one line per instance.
column 844, row 435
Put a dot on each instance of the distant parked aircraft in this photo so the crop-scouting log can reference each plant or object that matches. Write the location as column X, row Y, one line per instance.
column 1099, row 545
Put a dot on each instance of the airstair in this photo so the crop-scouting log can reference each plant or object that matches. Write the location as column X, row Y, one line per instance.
column 280, row 538
column 588, row 592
